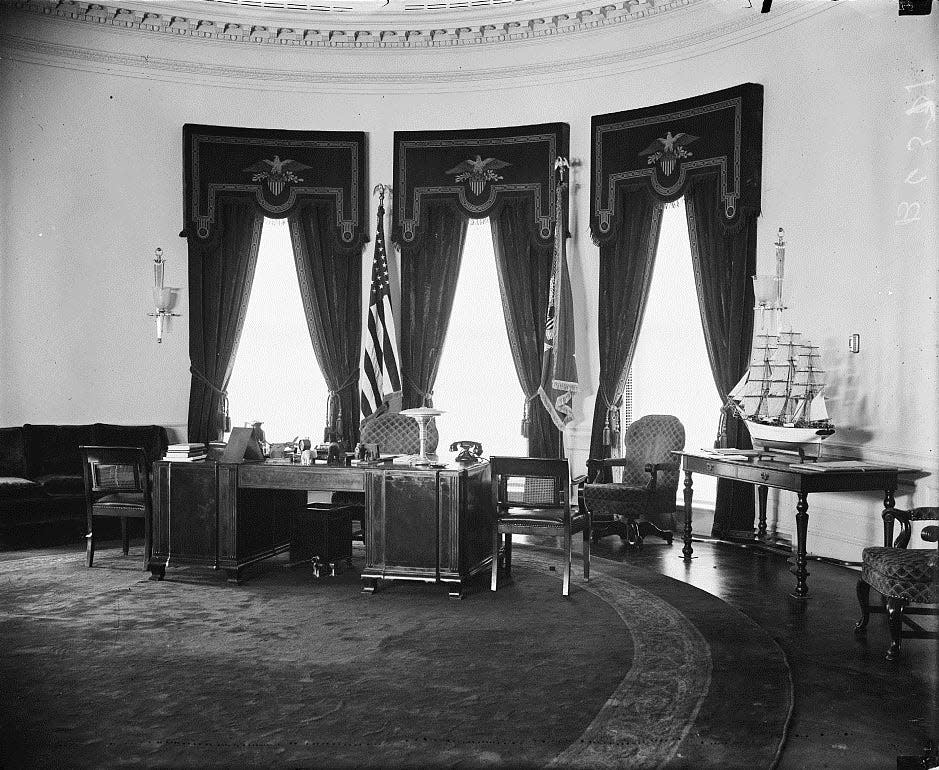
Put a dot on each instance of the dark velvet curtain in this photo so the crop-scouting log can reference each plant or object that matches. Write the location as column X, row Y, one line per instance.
column 724, row 261
column 524, row 269
column 330, row 285
column 429, row 274
column 626, row 262
column 221, row 270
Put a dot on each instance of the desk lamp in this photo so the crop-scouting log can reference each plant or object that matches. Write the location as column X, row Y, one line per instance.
column 423, row 415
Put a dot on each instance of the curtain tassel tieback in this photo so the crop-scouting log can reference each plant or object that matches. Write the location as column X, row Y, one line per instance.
column 526, row 416
column 224, row 415
column 334, row 429
column 611, row 426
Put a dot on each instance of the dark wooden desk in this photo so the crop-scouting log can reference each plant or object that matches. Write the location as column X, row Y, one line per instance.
column 433, row 525
column 779, row 475
column 430, row 524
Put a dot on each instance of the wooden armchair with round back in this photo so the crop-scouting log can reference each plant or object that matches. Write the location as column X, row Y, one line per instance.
column 903, row 576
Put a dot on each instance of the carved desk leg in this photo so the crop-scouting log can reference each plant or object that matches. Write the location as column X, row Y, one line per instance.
column 761, row 492
column 687, row 550
column 802, row 526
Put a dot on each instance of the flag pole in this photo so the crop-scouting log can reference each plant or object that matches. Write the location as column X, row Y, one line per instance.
column 560, row 234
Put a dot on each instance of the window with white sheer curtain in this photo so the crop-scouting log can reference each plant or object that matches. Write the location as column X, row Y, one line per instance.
column 476, row 383
column 671, row 373
column 276, row 379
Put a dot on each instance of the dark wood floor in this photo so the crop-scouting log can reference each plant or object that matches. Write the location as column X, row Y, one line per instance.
column 852, row 708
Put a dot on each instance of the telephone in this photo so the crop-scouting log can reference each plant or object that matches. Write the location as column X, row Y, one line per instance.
column 469, row 451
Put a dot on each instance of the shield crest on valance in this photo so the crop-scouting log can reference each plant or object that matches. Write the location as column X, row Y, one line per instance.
column 475, row 169
column 660, row 148
column 277, row 169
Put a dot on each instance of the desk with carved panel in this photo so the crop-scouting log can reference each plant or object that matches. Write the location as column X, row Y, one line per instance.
column 780, row 475
column 428, row 524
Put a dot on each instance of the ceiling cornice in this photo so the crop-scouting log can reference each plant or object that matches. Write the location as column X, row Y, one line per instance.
column 584, row 56
column 446, row 31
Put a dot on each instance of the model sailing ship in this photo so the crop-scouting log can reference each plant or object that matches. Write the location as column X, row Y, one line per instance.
column 781, row 396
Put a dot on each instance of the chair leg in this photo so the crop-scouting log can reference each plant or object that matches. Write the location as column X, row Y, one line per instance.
column 863, row 597
column 125, row 540
column 632, row 536
column 586, row 553
column 495, row 559
column 895, row 623
column 147, row 541
column 508, row 554
column 645, row 528
column 566, row 588
column 89, row 547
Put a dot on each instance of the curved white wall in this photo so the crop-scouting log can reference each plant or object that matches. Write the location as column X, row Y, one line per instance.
column 91, row 183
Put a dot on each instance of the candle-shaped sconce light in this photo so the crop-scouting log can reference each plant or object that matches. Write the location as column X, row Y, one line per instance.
column 163, row 296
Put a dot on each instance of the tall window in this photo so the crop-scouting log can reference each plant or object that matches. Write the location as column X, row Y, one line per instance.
column 476, row 383
column 276, row 379
column 671, row 373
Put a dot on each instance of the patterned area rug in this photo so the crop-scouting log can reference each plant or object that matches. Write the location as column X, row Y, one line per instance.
column 103, row 667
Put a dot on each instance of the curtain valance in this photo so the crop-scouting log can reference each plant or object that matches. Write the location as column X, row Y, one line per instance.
column 475, row 171
column 278, row 170
column 660, row 148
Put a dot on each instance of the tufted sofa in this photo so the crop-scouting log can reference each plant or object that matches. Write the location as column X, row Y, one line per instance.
column 41, row 479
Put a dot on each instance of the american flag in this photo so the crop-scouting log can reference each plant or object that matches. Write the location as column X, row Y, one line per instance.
column 379, row 361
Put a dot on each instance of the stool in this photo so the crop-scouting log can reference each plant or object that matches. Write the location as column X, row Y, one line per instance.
column 321, row 533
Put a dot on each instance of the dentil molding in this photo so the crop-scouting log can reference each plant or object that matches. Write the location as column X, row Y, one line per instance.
column 582, row 58
column 439, row 34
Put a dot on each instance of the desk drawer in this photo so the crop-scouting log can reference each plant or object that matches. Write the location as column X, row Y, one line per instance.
column 710, row 466
column 768, row 477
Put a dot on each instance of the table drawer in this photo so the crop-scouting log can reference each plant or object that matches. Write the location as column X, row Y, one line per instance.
column 768, row 477
column 713, row 467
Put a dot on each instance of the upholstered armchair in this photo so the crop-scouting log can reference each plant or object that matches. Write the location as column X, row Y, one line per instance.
column 903, row 576
column 644, row 501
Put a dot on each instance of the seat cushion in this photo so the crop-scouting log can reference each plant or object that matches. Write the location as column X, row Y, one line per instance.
column 540, row 517
column 13, row 487
column 62, row 483
column 903, row 573
column 605, row 500
column 119, row 502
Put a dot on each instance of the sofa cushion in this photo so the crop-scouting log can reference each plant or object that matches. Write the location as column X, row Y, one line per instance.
column 62, row 483
column 13, row 487
column 53, row 449
column 12, row 452
column 152, row 438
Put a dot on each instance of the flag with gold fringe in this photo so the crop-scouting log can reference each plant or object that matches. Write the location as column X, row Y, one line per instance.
column 558, row 366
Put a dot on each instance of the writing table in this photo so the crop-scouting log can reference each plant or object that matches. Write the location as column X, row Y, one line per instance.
column 793, row 477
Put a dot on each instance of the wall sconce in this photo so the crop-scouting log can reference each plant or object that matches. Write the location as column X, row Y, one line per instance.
column 164, row 297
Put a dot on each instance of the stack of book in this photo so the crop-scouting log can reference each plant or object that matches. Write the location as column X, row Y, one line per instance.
column 185, row 453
